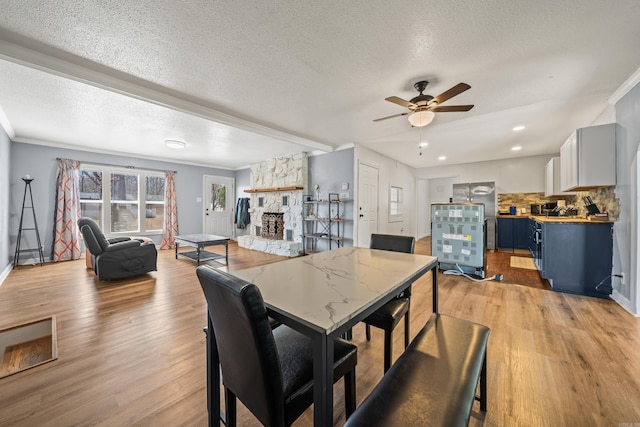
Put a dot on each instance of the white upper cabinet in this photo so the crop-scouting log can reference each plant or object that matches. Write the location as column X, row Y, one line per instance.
column 588, row 158
column 552, row 179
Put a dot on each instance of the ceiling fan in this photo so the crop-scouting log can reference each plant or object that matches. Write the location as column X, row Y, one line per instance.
column 423, row 107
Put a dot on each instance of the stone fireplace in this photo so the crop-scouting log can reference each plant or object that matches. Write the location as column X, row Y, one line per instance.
column 277, row 186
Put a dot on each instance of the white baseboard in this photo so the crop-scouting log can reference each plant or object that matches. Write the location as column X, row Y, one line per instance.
column 5, row 273
column 624, row 302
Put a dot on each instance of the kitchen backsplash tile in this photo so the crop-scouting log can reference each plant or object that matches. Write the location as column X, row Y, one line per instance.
column 604, row 198
column 520, row 201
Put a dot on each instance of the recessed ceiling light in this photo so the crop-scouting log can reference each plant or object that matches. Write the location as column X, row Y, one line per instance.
column 516, row 148
column 518, row 128
column 423, row 144
column 442, row 158
column 175, row 144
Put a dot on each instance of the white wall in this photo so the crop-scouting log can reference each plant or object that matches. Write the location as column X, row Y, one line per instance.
column 423, row 212
column 5, row 167
column 518, row 175
column 393, row 173
column 626, row 236
column 436, row 190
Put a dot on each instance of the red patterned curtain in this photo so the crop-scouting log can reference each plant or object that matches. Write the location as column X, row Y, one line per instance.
column 66, row 240
column 170, row 226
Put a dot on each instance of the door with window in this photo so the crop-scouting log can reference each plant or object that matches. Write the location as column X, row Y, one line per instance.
column 367, row 203
column 219, row 195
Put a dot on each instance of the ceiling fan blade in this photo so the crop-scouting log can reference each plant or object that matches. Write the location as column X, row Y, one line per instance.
column 456, row 90
column 450, row 108
column 400, row 101
column 390, row 117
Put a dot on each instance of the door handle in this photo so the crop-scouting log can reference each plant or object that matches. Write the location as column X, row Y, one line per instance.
column 361, row 215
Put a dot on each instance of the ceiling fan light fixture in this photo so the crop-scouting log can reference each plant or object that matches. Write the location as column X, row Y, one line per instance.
column 175, row 144
column 421, row 118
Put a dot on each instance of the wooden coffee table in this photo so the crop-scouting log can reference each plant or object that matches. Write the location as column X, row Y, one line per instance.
column 200, row 241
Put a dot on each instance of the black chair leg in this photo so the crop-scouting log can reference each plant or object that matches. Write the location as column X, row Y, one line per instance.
column 350, row 392
column 230, row 407
column 406, row 330
column 368, row 329
column 483, row 384
column 388, row 347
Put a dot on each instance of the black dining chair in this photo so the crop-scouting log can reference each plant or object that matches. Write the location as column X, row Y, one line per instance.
column 270, row 371
column 389, row 315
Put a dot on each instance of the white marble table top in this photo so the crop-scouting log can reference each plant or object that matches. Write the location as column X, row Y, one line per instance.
column 325, row 290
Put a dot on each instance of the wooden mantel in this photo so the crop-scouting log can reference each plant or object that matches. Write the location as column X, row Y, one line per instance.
column 271, row 190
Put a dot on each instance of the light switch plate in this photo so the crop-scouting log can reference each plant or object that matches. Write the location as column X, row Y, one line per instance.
column 345, row 185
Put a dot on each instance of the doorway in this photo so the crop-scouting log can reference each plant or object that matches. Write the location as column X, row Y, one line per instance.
column 367, row 203
column 219, row 194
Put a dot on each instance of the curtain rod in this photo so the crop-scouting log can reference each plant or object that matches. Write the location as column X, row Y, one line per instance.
column 120, row 166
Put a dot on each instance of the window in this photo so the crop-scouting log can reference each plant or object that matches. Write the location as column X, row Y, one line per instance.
column 395, row 204
column 122, row 200
column 218, row 197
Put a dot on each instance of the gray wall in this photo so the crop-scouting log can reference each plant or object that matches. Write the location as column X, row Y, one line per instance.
column 330, row 171
column 40, row 162
column 625, row 237
column 5, row 171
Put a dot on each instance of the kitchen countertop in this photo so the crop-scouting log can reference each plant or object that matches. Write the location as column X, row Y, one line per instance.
column 555, row 219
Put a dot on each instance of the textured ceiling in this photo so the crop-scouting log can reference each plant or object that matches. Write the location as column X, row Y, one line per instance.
column 242, row 81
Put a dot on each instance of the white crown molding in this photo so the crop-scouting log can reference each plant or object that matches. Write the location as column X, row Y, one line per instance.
column 625, row 87
column 34, row 56
column 6, row 125
column 116, row 153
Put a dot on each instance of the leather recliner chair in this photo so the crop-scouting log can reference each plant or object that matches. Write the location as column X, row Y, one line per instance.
column 117, row 258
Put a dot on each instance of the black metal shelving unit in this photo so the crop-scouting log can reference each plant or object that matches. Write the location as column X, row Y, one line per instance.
column 322, row 221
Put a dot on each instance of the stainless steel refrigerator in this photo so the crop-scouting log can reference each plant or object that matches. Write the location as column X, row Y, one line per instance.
column 480, row 192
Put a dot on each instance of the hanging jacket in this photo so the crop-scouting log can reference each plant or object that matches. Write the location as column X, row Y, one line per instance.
column 242, row 217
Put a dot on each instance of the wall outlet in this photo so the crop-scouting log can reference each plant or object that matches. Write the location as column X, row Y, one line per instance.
column 344, row 196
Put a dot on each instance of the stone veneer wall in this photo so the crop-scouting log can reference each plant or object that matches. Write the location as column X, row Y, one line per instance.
column 520, row 201
column 280, row 172
column 604, row 197
column 290, row 171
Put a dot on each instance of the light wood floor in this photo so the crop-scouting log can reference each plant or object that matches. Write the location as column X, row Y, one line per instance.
column 132, row 352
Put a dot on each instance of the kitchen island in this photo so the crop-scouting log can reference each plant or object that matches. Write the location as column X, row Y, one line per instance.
column 573, row 254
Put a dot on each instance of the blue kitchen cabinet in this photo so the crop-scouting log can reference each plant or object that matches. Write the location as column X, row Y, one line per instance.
column 505, row 233
column 577, row 257
column 513, row 233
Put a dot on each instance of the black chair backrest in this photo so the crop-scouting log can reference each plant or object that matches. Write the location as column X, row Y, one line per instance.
column 247, row 349
column 93, row 236
column 390, row 242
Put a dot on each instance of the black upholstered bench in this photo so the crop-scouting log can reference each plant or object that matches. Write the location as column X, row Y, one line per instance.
column 434, row 382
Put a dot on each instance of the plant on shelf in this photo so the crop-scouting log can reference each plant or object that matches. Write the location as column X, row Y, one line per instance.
column 317, row 187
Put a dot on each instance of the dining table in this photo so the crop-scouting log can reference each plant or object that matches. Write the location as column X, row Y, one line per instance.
column 323, row 295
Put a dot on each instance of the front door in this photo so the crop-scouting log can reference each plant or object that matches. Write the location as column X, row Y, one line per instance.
column 367, row 203
column 219, row 194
